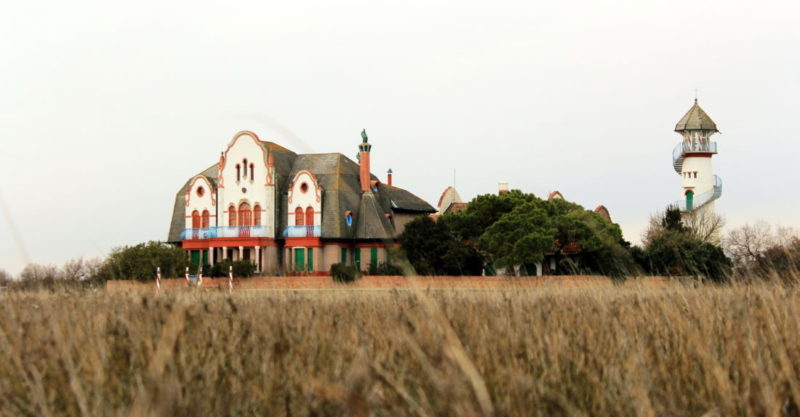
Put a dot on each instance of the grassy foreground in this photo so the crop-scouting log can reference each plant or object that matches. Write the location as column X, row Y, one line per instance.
column 630, row 350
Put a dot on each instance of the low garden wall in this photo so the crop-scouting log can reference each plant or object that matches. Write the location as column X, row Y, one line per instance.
column 367, row 282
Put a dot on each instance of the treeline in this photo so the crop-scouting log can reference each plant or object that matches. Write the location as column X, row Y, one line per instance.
column 136, row 262
column 514, row 232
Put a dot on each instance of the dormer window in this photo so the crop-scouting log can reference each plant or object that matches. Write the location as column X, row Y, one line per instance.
column 348, row 218
column 244, row 163
column 304, row 187
column 201, row 191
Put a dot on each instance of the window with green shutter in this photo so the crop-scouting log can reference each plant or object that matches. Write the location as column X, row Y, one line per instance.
column 357, row 256
column 344, row 256
column 373, row 258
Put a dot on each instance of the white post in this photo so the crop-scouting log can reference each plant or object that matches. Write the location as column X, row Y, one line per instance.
column 230, row 279
column 200, row 277
column 158, row 279
column 188, row 281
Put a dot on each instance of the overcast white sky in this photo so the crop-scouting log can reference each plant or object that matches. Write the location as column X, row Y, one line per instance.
column 106, row 108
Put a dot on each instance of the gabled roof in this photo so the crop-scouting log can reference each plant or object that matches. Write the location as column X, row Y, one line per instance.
column 696, row 119
column 178, row 222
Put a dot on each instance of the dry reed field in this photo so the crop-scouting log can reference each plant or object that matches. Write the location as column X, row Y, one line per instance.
column 629, row 350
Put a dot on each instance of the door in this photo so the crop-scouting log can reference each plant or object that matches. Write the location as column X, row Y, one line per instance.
column 310, row 259
column 689, row 200
column 299, row 259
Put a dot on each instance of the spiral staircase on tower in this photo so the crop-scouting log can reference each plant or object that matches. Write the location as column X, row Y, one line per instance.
column 678, row 156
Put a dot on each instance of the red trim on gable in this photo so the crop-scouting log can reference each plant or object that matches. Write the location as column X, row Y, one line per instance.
column 698, row 155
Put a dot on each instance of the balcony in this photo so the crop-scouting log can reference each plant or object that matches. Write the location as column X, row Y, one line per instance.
column 224, row 231
column 302, row 231
column 680, row 151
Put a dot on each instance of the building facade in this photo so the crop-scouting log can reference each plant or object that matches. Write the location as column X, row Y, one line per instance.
column 289, row 212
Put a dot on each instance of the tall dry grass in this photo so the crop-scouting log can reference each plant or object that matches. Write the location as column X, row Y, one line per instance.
column 672, row 350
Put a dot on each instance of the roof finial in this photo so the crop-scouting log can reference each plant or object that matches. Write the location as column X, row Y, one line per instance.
column 364, row 135
column 695, row 96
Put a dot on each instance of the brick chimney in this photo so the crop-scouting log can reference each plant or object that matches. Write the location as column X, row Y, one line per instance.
column 389, row 177
column 363, row 160
column 502, row 187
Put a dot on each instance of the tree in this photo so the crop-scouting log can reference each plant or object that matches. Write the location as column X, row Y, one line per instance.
column 432, row 249
column 522, row 236
column 671, row 248
column 140, row 261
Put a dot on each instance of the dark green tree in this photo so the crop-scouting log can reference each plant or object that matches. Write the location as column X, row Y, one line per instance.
column 140, row 262
column 432, row 249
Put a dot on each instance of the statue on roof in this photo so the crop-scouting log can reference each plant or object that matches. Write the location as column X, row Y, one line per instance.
column 364, row 135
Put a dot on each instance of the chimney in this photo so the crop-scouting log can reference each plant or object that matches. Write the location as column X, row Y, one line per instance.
column 502, row 187
column 363, row 160
column 389, row 177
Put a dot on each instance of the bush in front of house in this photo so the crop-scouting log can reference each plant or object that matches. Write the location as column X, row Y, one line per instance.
column 344, row 273
column 385, row 269
column 241, row 269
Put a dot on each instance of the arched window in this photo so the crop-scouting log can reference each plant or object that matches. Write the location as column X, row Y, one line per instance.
column 298, row 217
column 244, row 162
column 195, row 219
column 245, row 215
column 309, row 216
column 232, row 216
column 238, row 173
column 204, row 223
column 251, row 172
column 257, row 215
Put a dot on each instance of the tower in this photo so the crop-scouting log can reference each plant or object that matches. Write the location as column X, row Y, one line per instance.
column 692, row 161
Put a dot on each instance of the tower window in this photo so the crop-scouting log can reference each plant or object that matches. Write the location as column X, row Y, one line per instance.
column 251, row 172
column 245, row 167
column 238, row 173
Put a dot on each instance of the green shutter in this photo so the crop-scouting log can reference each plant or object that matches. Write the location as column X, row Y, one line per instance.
column 357, row 255
column 310, row 259
column 373, row 258
column 344, row 256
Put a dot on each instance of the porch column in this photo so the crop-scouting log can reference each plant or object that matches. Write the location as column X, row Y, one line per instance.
column 241, row 253
column 211, row 255
column 258, row 258
column 224, row 253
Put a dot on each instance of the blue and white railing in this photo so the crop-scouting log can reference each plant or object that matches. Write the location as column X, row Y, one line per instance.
column 302, row 231
column 701, row 199
column 680, row 151
column 225, row 231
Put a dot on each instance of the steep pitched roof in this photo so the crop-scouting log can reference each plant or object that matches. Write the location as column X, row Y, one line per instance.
column 696, row 119
column 341, row 193
column 178, row 222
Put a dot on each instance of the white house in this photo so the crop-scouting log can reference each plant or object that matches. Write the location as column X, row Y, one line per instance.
column 290, row 212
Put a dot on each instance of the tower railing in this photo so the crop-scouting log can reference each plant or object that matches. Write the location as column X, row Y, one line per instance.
column 701, row 199
column 681, row 149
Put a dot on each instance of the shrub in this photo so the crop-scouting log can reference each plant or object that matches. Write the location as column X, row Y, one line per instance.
column 140, row 262
column 385, row 269
column 241, row 269
column 344, row 273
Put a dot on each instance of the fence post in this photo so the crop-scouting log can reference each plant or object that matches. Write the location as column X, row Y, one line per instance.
column 158, row 279
column 200, row 277
column 188, row 281
column 230, row 279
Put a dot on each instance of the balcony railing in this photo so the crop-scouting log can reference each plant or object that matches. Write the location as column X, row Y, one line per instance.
column 302, row 231
column 701, row 199
column 680, row 151
column 224, row 231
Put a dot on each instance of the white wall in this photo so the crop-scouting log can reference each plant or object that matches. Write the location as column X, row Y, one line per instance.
column 312, row 197
column 704, row 181
column 246, row 146
column 196, row 202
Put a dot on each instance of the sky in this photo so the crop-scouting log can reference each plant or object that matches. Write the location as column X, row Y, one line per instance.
column 107, row 108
